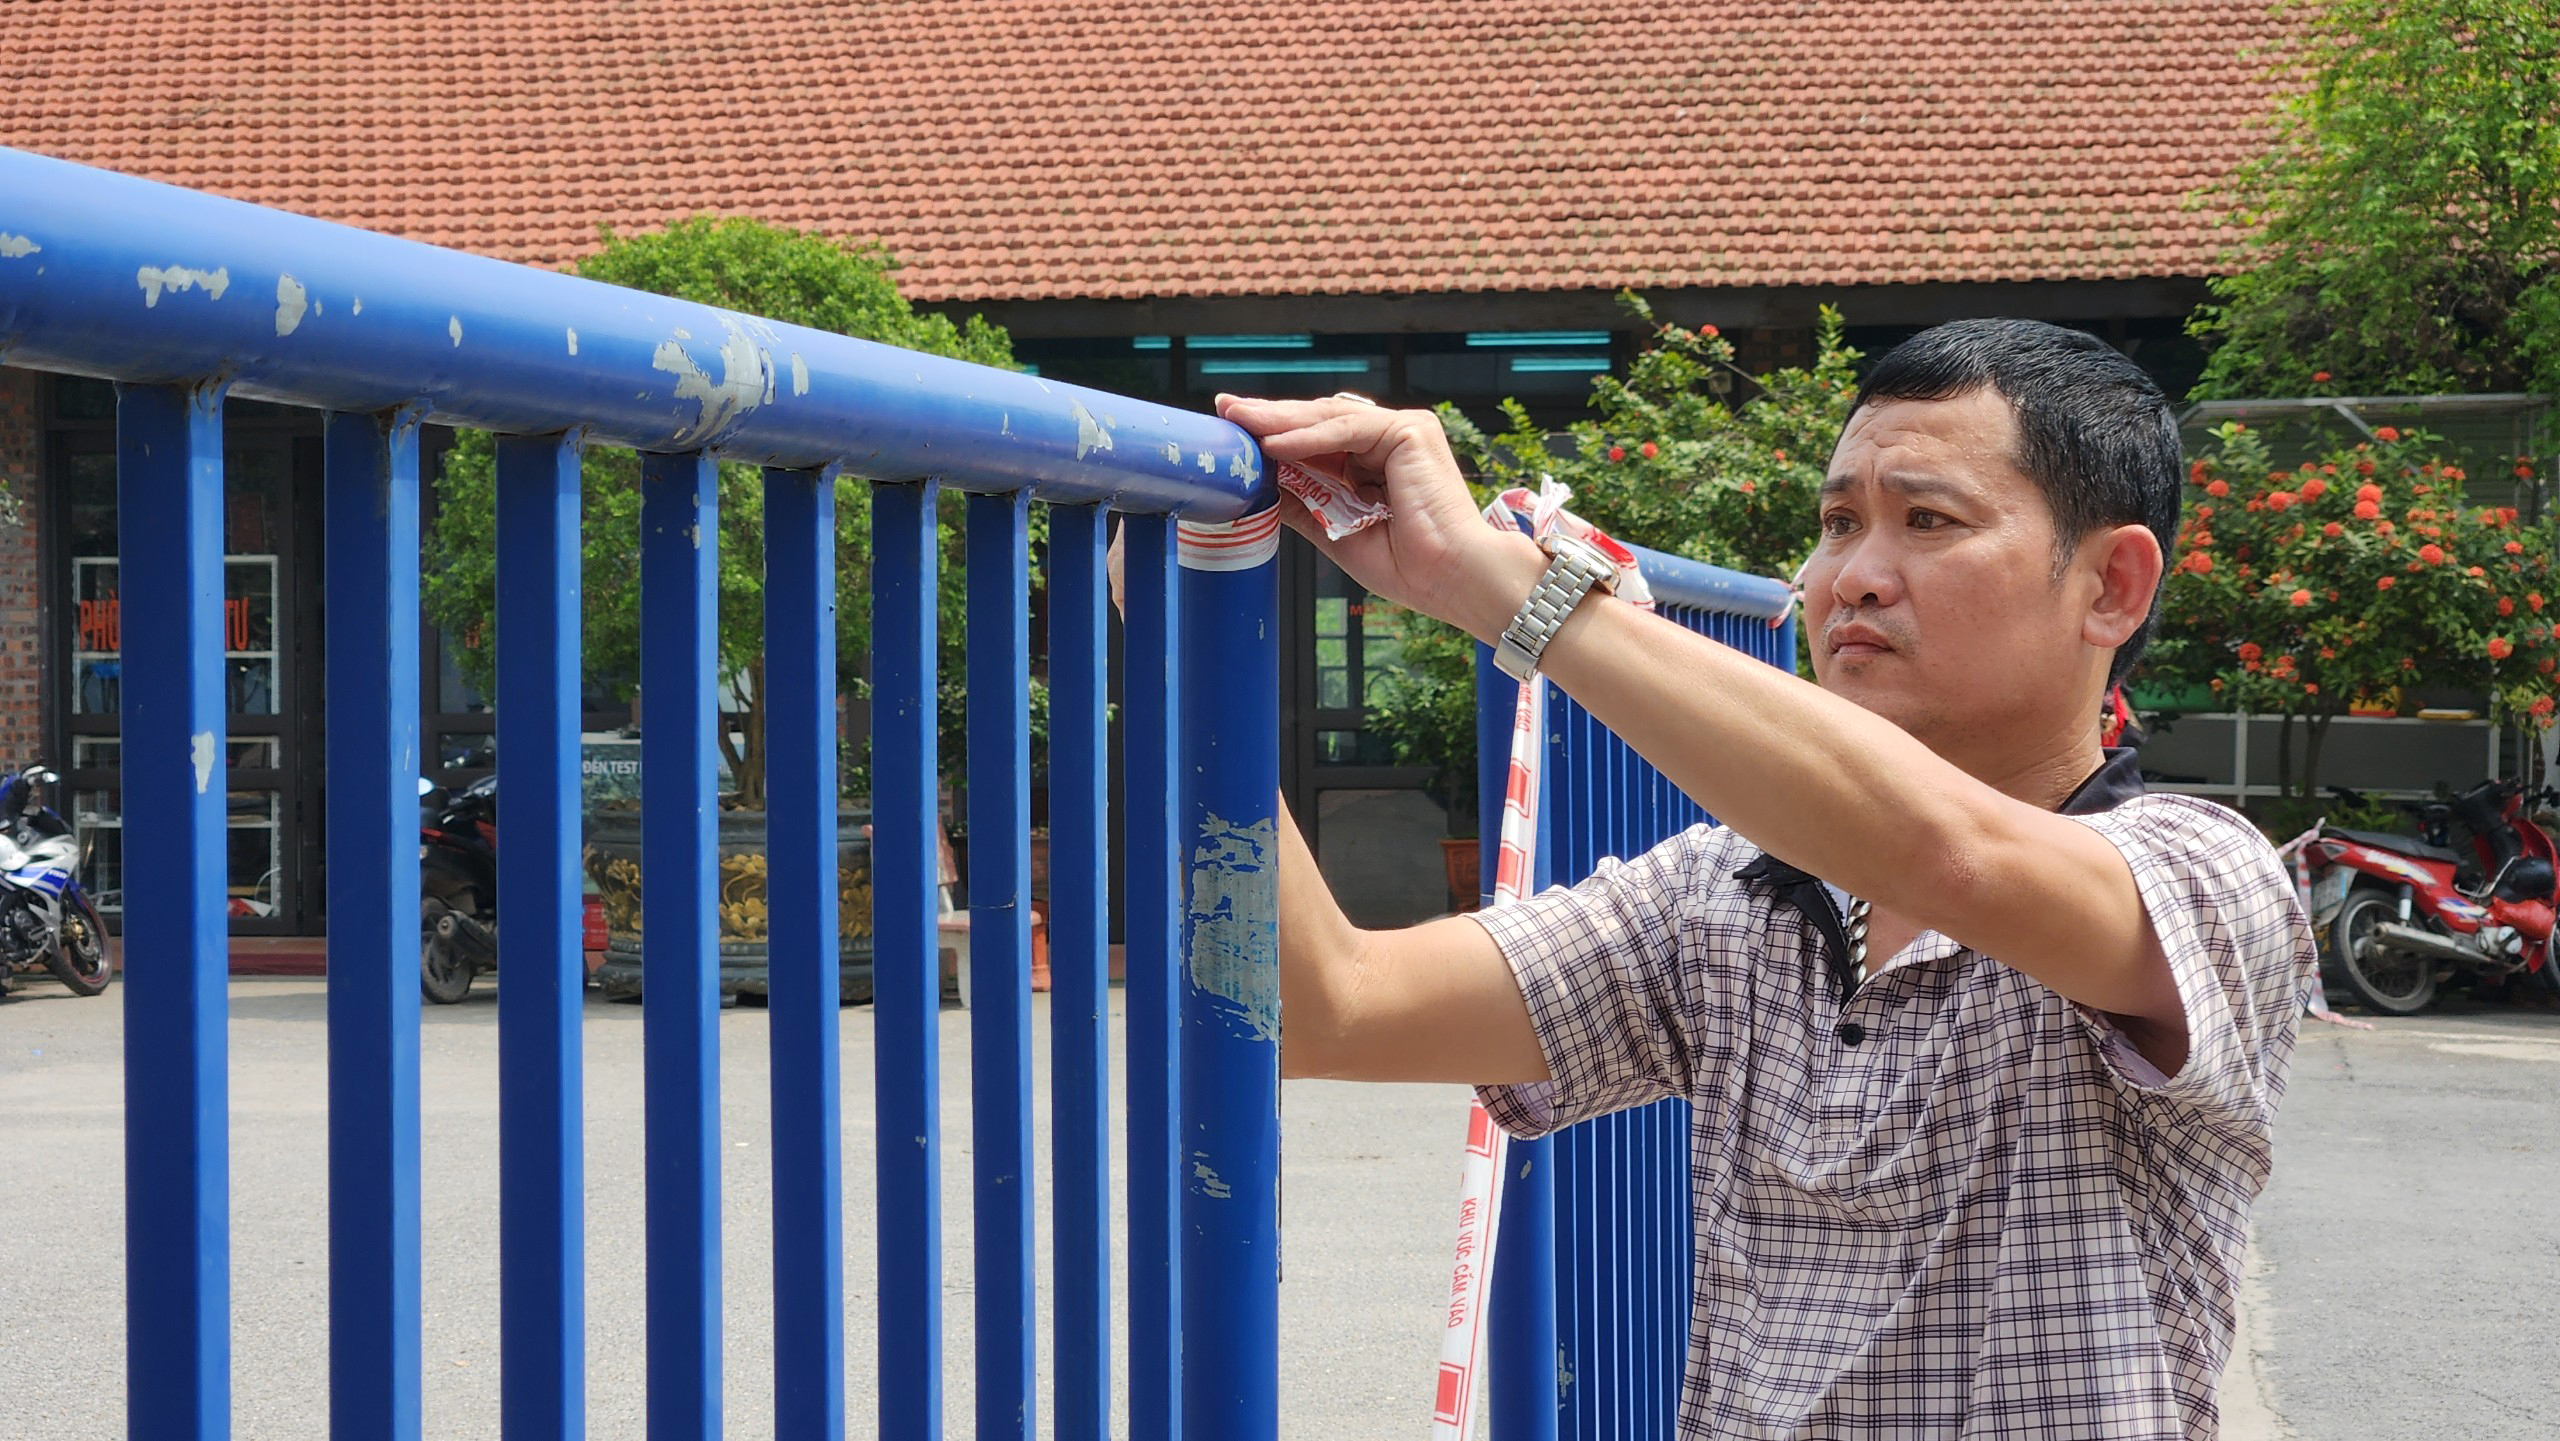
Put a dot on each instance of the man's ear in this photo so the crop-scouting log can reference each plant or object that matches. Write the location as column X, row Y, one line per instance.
column 2128, row 565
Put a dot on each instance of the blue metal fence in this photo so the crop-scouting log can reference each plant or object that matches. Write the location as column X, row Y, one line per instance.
column 1592, row 1278
column 182, row 299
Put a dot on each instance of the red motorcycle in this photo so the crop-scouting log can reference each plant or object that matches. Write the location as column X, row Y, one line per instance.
column 2401, row 914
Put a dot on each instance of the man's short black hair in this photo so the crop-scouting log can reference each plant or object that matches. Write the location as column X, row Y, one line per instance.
column 2094, row 432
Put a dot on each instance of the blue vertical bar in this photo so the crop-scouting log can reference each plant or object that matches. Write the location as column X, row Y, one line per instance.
column 1151, row 750
column 1230, row 702
column 999, row 661
column 680, row 999
column 177, row 958
column 1578, row 1169
column 541, row 1167
column 906, row 966
column 1521, row 1349
column 805, row 985
column 371, row 507
column 1079, row 970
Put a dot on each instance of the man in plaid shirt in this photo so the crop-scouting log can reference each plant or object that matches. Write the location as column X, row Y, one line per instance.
column 1982, row 1043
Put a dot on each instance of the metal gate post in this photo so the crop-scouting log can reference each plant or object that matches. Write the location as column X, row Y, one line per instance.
column 177, row 1172
column 372, row 685
column 542, row 1235
column 1230, row 1163
column 680, row 995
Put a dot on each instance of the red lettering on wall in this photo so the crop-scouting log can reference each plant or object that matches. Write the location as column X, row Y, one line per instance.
column 102, row 624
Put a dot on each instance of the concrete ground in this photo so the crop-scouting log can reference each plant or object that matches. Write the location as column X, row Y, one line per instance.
column 2408, row 1247
column 1371, row 1190
column 2404, row 1280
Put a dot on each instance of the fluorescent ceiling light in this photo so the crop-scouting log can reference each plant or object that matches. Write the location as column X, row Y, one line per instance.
column 1309, row 365
column 1513, row 339
column 1250, row 342
column 1151, row 342
column 1559, row 364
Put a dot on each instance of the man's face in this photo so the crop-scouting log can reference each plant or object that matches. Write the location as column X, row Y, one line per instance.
column 1932, row 599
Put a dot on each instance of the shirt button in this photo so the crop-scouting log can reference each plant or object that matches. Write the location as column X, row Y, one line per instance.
column 1851, row 1033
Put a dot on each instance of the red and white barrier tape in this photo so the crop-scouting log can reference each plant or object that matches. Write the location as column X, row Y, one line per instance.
column 1460, row 1383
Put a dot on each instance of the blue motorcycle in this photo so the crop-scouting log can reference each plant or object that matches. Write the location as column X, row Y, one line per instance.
column 47, row 921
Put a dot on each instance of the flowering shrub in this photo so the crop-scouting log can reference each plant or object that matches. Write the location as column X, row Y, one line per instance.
column 2364, row 572
column 1667, row 462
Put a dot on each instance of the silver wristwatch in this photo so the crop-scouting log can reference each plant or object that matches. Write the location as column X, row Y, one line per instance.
column 1575, row 568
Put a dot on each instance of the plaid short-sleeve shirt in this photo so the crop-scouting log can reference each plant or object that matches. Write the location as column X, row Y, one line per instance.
column 1948, row 1203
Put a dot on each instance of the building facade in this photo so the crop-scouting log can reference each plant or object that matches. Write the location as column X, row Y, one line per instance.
column 1426, row 202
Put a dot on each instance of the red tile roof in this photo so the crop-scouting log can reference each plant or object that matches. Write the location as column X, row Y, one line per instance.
column 1037, row 149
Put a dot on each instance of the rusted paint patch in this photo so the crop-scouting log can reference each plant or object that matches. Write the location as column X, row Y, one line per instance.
column 746, row 380
column 1234, row 920
column 291, row 303
column 13, row 247
column 173, row 278
column 1091, row 434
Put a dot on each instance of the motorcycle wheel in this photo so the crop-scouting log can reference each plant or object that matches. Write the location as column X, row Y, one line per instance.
column 79, row 958
column 2389, row 982
column 444, row 972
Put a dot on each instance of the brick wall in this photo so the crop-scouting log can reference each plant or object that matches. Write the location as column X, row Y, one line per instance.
column 21, row 574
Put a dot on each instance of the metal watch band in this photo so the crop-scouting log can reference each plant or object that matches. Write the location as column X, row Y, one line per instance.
column 1574, row 570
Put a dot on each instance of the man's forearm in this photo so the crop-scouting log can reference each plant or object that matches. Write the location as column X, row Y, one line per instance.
column 1836, row 790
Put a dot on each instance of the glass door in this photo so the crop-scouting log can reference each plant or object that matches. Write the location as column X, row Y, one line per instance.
column 264, row 893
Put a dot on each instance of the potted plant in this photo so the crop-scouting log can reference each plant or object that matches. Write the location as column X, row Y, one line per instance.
column 787, row 275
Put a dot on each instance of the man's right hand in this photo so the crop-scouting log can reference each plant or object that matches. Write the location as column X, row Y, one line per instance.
column 1434, row 553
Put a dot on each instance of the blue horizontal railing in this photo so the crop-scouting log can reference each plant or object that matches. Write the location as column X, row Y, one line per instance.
column 1592, row 1277
column 134, row 281
column 183, row 299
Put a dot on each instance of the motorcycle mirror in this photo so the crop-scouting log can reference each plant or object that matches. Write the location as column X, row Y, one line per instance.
column 44, row 775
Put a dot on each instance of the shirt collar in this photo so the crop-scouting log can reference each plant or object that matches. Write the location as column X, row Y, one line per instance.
column 2117, row 779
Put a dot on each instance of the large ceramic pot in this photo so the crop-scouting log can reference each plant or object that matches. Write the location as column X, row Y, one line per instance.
column 613, row 861
column 1464, row 858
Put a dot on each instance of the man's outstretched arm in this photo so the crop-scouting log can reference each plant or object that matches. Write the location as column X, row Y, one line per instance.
column 1433, row 1002
column 1804, row 775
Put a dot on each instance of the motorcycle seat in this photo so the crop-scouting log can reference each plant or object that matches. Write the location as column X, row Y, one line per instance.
column 2398, row 845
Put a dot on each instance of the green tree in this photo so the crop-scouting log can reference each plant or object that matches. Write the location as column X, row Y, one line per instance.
column 2353, row 580
column 758, row 269
column 2402, row 232
column 1667, row 460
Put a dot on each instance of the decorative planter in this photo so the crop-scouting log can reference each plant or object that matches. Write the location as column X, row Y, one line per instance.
column 1465, row 859
column 613, row 861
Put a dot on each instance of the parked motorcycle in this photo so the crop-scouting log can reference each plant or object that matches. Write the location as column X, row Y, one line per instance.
column 457, row 888
column 46, row 920
column 2401, row 914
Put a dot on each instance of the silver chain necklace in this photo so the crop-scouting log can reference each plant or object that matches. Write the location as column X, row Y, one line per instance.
column 1858, row 936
